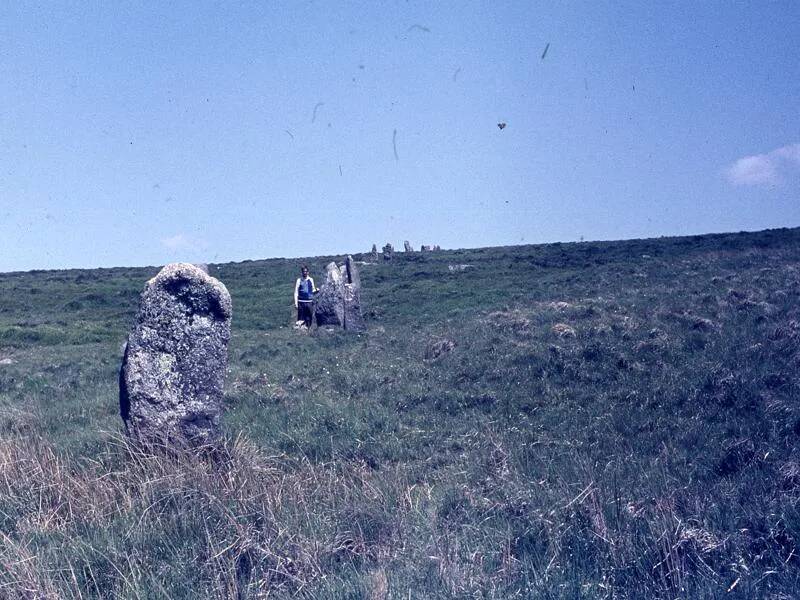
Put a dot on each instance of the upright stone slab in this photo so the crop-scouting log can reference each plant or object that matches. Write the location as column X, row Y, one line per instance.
column 174, row 365
column 388, row 251
column 353, row 319
column 329, row 306
column 374, row 253
column 407, row 247
column 338, row 302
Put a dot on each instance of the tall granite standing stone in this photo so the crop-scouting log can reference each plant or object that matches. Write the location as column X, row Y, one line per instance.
column 338, row 302
column 374, row 253
column 174, row 364
column 353, row 319
column 329, row 304
column 388, row 251
column 407, row 247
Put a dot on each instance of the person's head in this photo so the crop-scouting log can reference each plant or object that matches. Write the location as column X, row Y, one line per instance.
column 304, row 271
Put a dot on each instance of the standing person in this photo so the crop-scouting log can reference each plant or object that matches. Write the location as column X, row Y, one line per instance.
column 304, row 290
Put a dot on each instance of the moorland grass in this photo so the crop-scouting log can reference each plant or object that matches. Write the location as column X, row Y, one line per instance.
column 614, row 419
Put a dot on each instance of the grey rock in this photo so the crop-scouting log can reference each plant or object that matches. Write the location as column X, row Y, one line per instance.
column 407, row 247
column 456, row 268
column 329, row 303
column 425, row 248
column 388, row 252
column 338, row 302
column 173, row 368
column 353, row 318
column 202, row 266
column 374, row 253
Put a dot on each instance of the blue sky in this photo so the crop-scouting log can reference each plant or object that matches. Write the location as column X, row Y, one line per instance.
column 141, row 133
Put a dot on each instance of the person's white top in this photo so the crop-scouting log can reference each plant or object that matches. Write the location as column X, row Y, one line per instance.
column 297, row 284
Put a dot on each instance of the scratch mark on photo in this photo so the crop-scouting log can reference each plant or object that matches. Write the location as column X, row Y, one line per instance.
column 316, row 106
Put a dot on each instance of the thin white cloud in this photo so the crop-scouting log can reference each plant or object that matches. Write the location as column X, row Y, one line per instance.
column 766, row 169
column 181, row 241
column 790, row 153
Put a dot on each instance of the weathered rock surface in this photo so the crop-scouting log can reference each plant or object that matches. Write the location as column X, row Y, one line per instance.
column 456, row 268
column 407, row 247
column 338, row 302
column 353, row 318
column 329, row 302
column 172, row 374
column 388, row 252
column 374, row 253
column 425, row 248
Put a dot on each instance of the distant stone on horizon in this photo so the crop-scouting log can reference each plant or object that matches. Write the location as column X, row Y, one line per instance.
column 388, row 251
column 374, row 252
column 425, row 248
column 407, row 247
column 173, row 368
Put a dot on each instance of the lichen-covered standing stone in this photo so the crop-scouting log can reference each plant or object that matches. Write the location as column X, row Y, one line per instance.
column 351, row 295
column 329, row 303
column 338, row 302
column 172, row 374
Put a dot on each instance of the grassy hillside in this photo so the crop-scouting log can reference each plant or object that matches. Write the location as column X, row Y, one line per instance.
column 571, row 420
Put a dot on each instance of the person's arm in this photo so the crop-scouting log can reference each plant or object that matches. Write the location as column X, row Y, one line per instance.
column 313, row 287
column 296, row 285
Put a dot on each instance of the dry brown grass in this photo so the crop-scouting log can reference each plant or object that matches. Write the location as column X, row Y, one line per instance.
column 267, row 524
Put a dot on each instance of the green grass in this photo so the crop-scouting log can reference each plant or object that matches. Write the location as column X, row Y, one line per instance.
column 616, row 419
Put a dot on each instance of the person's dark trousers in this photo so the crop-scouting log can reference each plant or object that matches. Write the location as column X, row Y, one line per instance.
column 305, row 312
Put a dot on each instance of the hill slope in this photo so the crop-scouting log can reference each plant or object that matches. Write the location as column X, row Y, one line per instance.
column 611, row 419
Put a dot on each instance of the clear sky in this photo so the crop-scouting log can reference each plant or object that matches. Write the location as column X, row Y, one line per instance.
column 146, row 132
